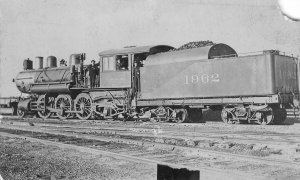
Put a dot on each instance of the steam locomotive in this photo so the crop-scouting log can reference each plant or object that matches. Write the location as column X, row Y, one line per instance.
column 162, row 83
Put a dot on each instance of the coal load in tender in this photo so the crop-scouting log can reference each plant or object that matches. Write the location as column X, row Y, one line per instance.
column 195, row 44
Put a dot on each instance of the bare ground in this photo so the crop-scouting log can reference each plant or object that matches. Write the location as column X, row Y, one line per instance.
column 21, row 159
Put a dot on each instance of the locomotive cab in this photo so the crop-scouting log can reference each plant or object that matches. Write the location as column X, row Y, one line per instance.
column 119, row 67
column 115, row 71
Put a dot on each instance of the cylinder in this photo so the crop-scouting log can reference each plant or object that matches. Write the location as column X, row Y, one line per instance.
column 27, row 64
column 24, row 105
column 51, row 61
column 39, row 62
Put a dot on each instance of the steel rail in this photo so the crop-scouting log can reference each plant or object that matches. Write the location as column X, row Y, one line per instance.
column 194, row 150
column 216, row 135
column 187, row 135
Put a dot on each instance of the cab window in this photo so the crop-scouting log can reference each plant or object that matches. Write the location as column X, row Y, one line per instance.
column 139, row 59
column 109, row 63
column 122, row 63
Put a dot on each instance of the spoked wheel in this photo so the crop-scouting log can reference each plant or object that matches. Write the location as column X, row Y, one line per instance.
column 20, row 113
column 63, row 103
column 41, row 104
column 267, row 117
column 181, row 116
column 83, row 103
column 226, row 116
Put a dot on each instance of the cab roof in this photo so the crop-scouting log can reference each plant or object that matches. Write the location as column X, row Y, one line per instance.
column 134, row 50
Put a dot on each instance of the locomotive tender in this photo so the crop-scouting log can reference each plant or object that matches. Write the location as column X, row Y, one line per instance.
column 167, row 85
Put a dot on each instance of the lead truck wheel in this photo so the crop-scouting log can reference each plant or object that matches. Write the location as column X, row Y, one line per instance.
column 20, row 113
column 83, row 104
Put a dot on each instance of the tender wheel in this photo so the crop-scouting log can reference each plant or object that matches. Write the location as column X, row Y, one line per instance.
column 41, row 104
column 226, row 116
column 63, row 103
column 20, row 113
column 267, row 117
column 83, row 103
column 181, row 116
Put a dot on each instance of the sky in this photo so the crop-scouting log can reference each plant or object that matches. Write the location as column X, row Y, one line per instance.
column 30, row 28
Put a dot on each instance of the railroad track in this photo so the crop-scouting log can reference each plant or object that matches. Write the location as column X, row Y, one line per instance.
column 243, row 138
column 168, row 147
column 240, row 137
column 165, row 133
